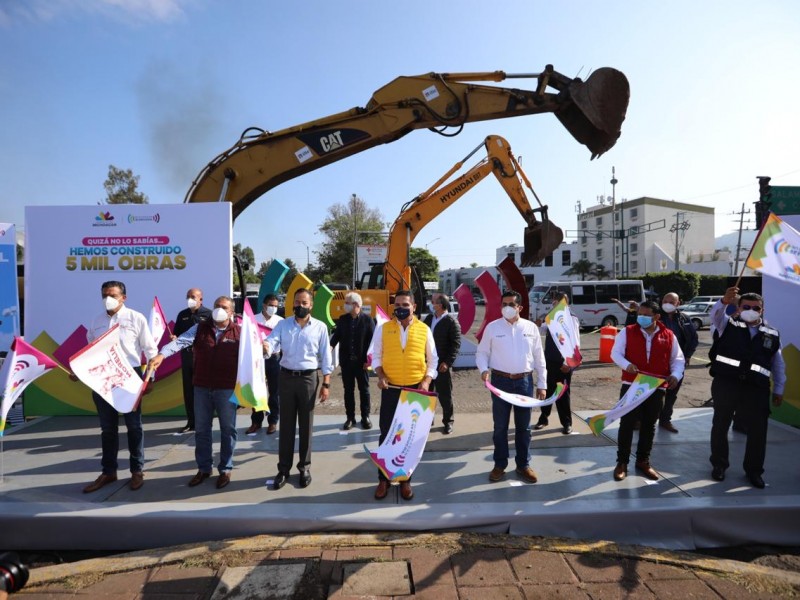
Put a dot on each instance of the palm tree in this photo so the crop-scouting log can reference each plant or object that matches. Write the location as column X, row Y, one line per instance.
column 601, row 272
column 584, row 267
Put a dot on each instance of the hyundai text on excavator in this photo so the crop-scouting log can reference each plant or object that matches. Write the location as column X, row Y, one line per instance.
column 592, row 111
column 541, row 236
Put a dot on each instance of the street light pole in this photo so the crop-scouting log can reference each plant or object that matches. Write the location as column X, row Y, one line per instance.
column 355, row 241
column 308, row 254
column 429, row 243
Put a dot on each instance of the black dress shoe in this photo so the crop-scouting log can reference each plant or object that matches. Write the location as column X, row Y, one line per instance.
column 540, row 425
column 757, row 481
column 348, row 424
column 279, row 481
column 718, row 474
column 305, row 479
column 366, row 423
column 566, row 430
column 448, row 428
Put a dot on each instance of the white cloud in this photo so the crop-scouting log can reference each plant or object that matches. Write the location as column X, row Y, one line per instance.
column 127, row 10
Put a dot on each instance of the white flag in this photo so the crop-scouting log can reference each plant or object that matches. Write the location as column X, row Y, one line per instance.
column 251, row 378
column 157, row 321
column 103, row 367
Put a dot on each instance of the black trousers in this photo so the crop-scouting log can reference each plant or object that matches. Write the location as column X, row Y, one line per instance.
column 389, row 401
column 187, row 373
column 554, row 376
column 353, row 373
column 298, row 395
column 669, row 403
column 750, row 403
column 443, row 386
column 647, row 415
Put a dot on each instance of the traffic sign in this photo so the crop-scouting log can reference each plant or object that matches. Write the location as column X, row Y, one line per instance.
column 785, row 200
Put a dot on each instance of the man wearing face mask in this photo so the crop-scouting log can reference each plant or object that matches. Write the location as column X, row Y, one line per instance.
column 686, row 334
column 215, row 344
column 268, row 317
column 193, row 314
column 353, row 334
column 447, row 336
column 509, row 352
column 651, row 348
column 746, row 355
column 305, row 347
column 403, row 355
column 135, row 339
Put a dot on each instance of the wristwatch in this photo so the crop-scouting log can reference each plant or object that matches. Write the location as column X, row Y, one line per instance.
column 326, row 385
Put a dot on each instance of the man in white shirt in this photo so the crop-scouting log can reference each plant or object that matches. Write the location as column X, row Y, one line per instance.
column 269, row 317
column 509, row 351
column 135, row 339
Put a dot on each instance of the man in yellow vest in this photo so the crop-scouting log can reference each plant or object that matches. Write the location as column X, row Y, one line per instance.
column 403, row 355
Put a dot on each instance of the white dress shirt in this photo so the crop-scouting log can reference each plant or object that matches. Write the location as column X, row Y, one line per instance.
column 431, row 358
column 676, row 360
column 134, row 333
column 513, row 348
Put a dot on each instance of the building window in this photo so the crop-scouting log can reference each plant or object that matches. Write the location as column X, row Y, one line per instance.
column 584, row 223
column 584, row 255
column 634, row 214
column 635, row 266
column 616, row 217
column 598, row 221
column 634, row 248
column 598, row 237
column 616, row 267
column 616, row 250
column 584, row 240
column 566, row 258
column 599, row 253
column 548, row 260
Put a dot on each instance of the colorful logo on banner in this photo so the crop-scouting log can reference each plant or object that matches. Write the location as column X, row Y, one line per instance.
column 776, row 251
column 640, row 390
column 527, row 401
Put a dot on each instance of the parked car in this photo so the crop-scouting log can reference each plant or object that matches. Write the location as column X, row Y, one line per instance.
column 699, row 313
column 711, row 299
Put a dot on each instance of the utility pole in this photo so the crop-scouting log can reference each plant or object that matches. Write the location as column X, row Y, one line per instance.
column 741, row 214
column 677, row 229
column 355, row 241
column 614, row 225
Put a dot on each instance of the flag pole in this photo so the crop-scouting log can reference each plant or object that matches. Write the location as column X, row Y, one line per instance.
column 753, row 245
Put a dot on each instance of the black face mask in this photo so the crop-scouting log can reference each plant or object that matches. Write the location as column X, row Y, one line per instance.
column 402, row 313
column 301, row 312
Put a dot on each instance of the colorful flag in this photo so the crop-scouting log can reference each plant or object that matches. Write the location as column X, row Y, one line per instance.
column 527, row 401
column 399, row 454
column 103, row 367
column 380, row 318
column 564, row 331
column 157, row 321
column 23, row 364
column 251, row 377
column 776, row 251
column 640, row 390
column 265, row 331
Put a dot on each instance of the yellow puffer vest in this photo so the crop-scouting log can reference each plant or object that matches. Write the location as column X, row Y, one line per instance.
column 404, row 366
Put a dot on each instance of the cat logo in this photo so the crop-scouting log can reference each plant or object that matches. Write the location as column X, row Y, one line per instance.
column 332, row 140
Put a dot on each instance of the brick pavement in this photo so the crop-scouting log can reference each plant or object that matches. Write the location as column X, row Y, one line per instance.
column 433, row 566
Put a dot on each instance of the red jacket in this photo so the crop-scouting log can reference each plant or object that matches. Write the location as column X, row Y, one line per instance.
column 216, row 362
column 660, row 351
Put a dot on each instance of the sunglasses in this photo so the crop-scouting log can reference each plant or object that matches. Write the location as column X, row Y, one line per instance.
column 750, row 307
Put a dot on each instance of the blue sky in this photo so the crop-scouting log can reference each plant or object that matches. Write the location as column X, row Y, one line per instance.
column 162, row 87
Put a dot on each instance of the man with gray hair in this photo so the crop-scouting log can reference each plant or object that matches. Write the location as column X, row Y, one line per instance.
column 353, row 334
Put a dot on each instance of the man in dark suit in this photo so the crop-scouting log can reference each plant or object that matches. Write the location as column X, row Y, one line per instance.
column 353, row 334
column 190, row 316
column 447, row 337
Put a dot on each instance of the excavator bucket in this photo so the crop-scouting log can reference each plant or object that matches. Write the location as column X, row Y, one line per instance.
column 598, row 107
column 541, row 238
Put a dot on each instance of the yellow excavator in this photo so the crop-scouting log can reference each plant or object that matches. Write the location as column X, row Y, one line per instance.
column 591, row 110
column 541, row 236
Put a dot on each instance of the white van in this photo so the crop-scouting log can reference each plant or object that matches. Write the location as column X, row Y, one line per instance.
column 590, row 301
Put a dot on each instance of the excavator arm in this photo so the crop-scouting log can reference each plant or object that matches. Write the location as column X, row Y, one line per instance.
column 541, row 236
column 592, row 111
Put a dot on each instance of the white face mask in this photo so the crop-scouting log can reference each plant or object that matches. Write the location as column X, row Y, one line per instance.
column 509, row 312
column 750, row 316
column 219, row 315
column 270, row 310
column 110, row 303
column 348, row 307
column 668, row 308
column 191, row 303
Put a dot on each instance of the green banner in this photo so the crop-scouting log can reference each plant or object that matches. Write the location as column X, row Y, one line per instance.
column 785, row 200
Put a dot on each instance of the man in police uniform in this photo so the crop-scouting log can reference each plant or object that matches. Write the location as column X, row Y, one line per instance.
column 745, row 357
column 190, row 316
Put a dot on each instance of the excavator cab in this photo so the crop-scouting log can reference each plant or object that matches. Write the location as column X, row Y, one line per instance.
column 541, row 239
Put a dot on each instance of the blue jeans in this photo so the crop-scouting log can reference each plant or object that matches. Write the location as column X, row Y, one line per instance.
column 206, row 402
column 501, row 415
column 109, row 435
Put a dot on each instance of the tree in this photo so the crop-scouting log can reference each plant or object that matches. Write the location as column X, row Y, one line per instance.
column 339, row 227
column 122, row 187
column 427, row 265
column 287, row 281
column 600, row 272
column 262, row 270
column 473, row 265
column 247, row 260
column 584, row 267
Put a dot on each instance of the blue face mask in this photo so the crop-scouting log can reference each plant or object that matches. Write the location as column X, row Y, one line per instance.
column 644, row 322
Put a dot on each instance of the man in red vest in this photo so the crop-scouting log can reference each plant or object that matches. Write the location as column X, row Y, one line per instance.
column 651, row 348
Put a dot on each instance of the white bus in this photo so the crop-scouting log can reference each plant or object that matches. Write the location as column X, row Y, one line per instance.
column 590, row 301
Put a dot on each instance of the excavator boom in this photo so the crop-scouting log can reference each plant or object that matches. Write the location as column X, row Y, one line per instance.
column 592, row 111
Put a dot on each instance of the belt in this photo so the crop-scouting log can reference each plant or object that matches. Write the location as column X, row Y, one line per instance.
column 511, row 375
column 293, row 373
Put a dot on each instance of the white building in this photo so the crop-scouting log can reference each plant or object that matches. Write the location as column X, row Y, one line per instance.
column 552, row 268
column 645, row 235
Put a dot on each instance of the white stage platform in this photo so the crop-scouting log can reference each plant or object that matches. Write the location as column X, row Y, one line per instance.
column 48, row 461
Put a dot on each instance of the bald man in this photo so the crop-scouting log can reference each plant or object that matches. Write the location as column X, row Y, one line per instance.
column 190, row 316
